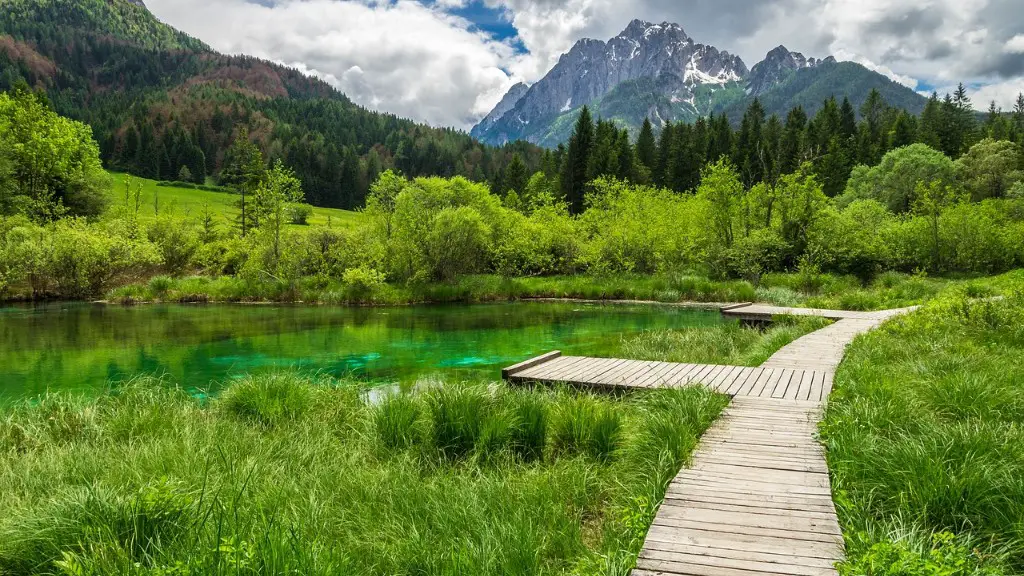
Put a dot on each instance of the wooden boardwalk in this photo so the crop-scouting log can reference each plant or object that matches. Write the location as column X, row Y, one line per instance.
column 756, row 499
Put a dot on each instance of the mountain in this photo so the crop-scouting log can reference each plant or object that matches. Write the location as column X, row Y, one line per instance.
column 657, row 71
column 159, row 100
column 507, row 102
column 809, row 87
column 776, row 67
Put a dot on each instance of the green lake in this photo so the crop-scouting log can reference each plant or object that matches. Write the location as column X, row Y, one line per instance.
column 83, row 347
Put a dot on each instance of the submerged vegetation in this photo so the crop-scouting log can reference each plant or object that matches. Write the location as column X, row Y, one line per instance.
column 283, row 474
column 925, row 432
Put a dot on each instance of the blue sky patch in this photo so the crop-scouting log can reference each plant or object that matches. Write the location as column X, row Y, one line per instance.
column 493, row 21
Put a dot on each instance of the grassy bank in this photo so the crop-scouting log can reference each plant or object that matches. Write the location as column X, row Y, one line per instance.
column 284, row 475
column 925, row 431
column 193, row 203
column 890, row 290
column 729, row 343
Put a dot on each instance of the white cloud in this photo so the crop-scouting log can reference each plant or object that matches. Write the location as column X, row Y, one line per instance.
column 418, row 60
column 401, row 57
column 1003, row 93
column 1015, row 45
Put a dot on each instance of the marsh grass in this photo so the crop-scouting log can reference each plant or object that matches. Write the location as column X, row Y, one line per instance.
column 925, row 431
column 288, row 474
column 726, row 343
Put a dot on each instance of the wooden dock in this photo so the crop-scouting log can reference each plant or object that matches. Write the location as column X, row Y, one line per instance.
column 756, row 500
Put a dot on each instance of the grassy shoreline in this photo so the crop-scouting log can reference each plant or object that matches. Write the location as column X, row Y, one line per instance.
column 285, row 474
column 889, row 290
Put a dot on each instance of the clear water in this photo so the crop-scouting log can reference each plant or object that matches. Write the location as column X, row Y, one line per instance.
column 83, row 347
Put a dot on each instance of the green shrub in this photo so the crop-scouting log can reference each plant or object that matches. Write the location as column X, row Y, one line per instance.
column 269, row 399
column 529, row 436
column 585, row 426
column 458, row 417
column 177, row 240
column 299, row 213
column 396, row 421
column 947, row 557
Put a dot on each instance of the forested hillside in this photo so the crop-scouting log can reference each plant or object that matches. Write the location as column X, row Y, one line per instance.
column 163, row 105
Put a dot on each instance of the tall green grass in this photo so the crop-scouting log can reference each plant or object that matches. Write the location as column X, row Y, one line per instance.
column 288, row 475
column 925, row 431
column 728, row 343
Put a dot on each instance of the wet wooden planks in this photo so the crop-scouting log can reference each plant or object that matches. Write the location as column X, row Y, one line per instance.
column 756, row 500
column 782, row 382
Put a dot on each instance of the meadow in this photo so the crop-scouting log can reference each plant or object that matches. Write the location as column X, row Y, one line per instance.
column 925, row 438
column 192, row 203
column 287, row 474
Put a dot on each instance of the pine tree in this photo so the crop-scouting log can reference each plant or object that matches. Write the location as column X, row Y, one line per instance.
column 516, row 176
column 791, row 152
column 847, row 121
column 577, row 160
column 749, row 146
column 873, row 111
column 626, row 158
column 1018, row 115
column 904, row 131
column 930, row 128
column 646, row 147
column 663, row 166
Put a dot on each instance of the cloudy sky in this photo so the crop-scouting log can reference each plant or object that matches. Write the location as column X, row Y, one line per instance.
column 447, row 62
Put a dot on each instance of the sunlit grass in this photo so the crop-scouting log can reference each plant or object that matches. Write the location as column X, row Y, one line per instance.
column 193, row 204
column 925, row 431
column 285, row 474
column 727, row 343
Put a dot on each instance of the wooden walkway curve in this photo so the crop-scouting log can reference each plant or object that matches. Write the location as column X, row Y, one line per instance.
column 756, row 499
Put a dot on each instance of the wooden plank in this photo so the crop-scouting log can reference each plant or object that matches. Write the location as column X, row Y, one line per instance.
column 733, row 541
column 725, row 562
column 554, row 370
column 783, row 383
column 535, row 361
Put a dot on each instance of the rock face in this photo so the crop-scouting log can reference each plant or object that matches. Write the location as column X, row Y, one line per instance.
column 776, row 67
column 137, row 3
column 652, row 70
column 592, row 69
column 507, row 103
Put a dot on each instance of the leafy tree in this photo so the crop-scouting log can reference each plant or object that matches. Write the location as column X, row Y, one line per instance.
column 721, row 192
column 49, row 165
column 243, row 171
column 990, row 169
column 894, row 182
column 932, row 199
column 276, row 192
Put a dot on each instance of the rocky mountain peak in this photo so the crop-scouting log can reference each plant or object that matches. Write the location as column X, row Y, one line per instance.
column 507, row 103
column 137, row 3
column 649, row 69
column 778, row 64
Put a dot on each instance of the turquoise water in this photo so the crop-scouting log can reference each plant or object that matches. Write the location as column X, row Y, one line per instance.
column 83, row 347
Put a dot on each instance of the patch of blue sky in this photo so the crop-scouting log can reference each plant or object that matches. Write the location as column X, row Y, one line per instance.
column 493, row 21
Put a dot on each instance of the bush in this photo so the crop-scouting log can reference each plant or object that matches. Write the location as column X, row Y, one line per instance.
column 269, row 399
column 585, row 426
column 299, row 213
column 396, row 421
column 458, row 415
column 362, row 283
column 177, row 240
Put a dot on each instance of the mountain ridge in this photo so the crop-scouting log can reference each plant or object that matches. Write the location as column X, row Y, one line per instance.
column 658, row 71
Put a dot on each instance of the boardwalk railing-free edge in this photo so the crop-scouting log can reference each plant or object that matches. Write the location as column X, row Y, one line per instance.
column 757, row 499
